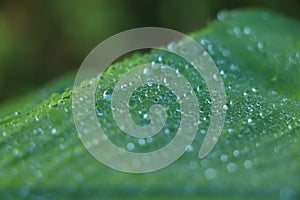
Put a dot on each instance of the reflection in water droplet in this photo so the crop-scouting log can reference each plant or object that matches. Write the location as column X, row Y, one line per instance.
column 225, row 107
column 189, row 148
column 106, row 95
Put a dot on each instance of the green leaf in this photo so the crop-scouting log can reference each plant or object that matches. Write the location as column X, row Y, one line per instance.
column 258, row 56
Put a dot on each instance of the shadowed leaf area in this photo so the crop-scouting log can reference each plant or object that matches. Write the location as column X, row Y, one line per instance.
column 258, row 56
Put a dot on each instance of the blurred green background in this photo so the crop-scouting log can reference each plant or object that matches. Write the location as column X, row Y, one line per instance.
column 43, row 40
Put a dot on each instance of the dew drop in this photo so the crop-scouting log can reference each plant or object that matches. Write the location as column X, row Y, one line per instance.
column 233, row 67
column 221, row 15
column 247, row 30
column 254, row 90
column 286, row 193
column 193, row 164
column 16, row 152
column 167, row 131
column 224, row 158
column 106, row 95
column 247, row 164
column 225, row 107
column 142, row 142
column 17, row 113
column 236, row 153
column 130, row 146
column 231, row 167
column 237, row 31
column 124, row 86
column 210, row 173
column 145, row 116
column 53, row 131
column 145, row 71
column 189, row 148
column 149, row 140
column 260, row 45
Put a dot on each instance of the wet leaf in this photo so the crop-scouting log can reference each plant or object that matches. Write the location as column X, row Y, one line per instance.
column 258, row 56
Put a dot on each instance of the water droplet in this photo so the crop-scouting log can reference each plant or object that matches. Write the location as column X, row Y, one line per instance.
column 106, row 95
column 230, row 130
column 233, row 67
column 254, row 90
column 257, row 145
column 153, row 64
column 16, row 152
column 36, row 118
column 222, row 15
column 261, row 115
column 286, row 193
column 231, row 167
column 193, row 164
column 224, row 158
column 247, row 30
column 274, row 93
column 17, row 113
column 130, row 146
column 145, row 71
column 247, row 164
column 149, row 140
column 236, row 153
column 145, row 116
column 237, row 31
column 53, row 131
column 225, row 107
column 260, row 45
column 189, row 148
column 210, row 173
column 95, row 141
column 170, row 46
column 167, row 131
column 124, row 86
column 142, row 142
